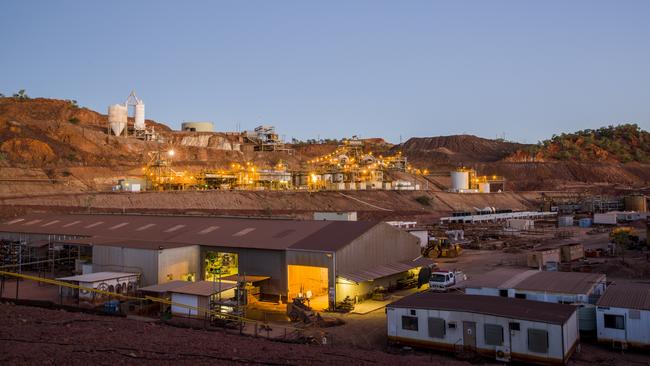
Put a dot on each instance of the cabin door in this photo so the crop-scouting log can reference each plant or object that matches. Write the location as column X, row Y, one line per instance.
column 469, row 335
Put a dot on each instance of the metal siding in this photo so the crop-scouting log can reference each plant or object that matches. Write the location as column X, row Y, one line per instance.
column 259, row 262
column 517, row 340
column 179, row 261
column 380, row 245
column 142, row 261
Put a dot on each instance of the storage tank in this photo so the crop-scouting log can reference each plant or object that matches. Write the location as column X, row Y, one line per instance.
column 117, row 118
column 459, row 180
column 197, row 126
column 139, row 116
column 484, row 187
column 636, row 203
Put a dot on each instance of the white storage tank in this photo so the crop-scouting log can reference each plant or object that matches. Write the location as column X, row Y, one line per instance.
column 459, row 180
column 117, row 118
column 139, row 116
column 484, row 187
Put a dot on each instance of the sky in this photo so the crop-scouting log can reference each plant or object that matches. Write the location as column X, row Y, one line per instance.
column 522, row 70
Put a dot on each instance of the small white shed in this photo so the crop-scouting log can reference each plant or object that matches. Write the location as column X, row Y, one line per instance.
column 193, row 299
column 495, row 327
column 623, row 315
column 117, row 282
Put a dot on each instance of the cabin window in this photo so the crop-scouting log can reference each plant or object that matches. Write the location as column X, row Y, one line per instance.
column 410, row 323
column 614, row 321
column 538, row 340
column 437, row 328
column 413, row 312
column 503, row 293
column 515, row 326
column 520, row 296
column 493, row 334
column 451, row 325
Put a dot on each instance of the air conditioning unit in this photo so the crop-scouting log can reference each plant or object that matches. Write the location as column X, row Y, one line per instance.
column 503, row 354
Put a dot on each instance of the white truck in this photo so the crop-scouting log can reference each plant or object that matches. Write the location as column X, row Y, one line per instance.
column 443, row 281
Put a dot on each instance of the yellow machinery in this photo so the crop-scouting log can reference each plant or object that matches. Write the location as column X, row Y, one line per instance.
column 442, row 248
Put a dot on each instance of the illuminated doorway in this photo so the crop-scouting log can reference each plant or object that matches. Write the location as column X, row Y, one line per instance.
column 220, row 263
column 310, row 283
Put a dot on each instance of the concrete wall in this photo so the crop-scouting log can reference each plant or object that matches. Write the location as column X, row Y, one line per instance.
column 143, row 261
column 636, row 332
column 381, row 244
column 178, row 262
column 561, row 338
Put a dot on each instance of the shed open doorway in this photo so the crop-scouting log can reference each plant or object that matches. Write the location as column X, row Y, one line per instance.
column 310, row 283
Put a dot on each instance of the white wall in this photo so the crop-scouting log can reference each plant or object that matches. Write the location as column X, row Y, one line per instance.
column 636, row 332
column 517, row 340
column 178, row 262
column 190, row 300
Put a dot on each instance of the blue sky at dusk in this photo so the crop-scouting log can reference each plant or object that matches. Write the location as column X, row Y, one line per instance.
column 526, row 69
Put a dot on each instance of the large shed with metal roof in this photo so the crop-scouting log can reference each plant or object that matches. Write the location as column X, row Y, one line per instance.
column 301, row 258
column 623, row 315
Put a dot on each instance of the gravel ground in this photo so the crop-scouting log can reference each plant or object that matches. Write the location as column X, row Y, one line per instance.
column 30, row 335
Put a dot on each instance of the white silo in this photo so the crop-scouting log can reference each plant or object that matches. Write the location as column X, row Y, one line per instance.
column 139, row 116
column 459, row 180
column 117, row 118
column 484, row 187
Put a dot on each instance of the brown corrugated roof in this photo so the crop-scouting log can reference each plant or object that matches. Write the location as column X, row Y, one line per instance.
column 628, row 295
column 497, row 277
column 150, row 231
column 247, row 278
column 489, row 305
column 561, row 282
column 334, row 236
column 384, row 270
column 534, row 280
column 204, row 288
column 164, row 287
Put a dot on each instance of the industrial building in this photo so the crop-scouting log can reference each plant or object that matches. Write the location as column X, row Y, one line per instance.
column 203, row 126
column 581, row 289
column 623, row 315
column 330, row 259
column 495, row 327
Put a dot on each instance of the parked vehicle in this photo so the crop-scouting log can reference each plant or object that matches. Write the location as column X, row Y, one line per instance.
column 443, row 281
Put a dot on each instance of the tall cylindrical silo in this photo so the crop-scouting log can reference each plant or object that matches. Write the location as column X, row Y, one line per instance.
column 139, row 116
column 459, row 180
column 117, row 118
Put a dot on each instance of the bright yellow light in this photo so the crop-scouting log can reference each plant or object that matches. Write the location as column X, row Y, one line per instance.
column 171, row 152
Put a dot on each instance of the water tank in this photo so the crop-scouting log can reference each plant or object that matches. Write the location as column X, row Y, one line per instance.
column 139, row 116
column 459, row 180
column 197, row 126
column 636, row 203
column 117, row 118
column 587, row 318
column 484, row 187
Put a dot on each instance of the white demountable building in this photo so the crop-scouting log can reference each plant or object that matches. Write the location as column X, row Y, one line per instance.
column 582, row 289
column 496, row 327
column 623, row 315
